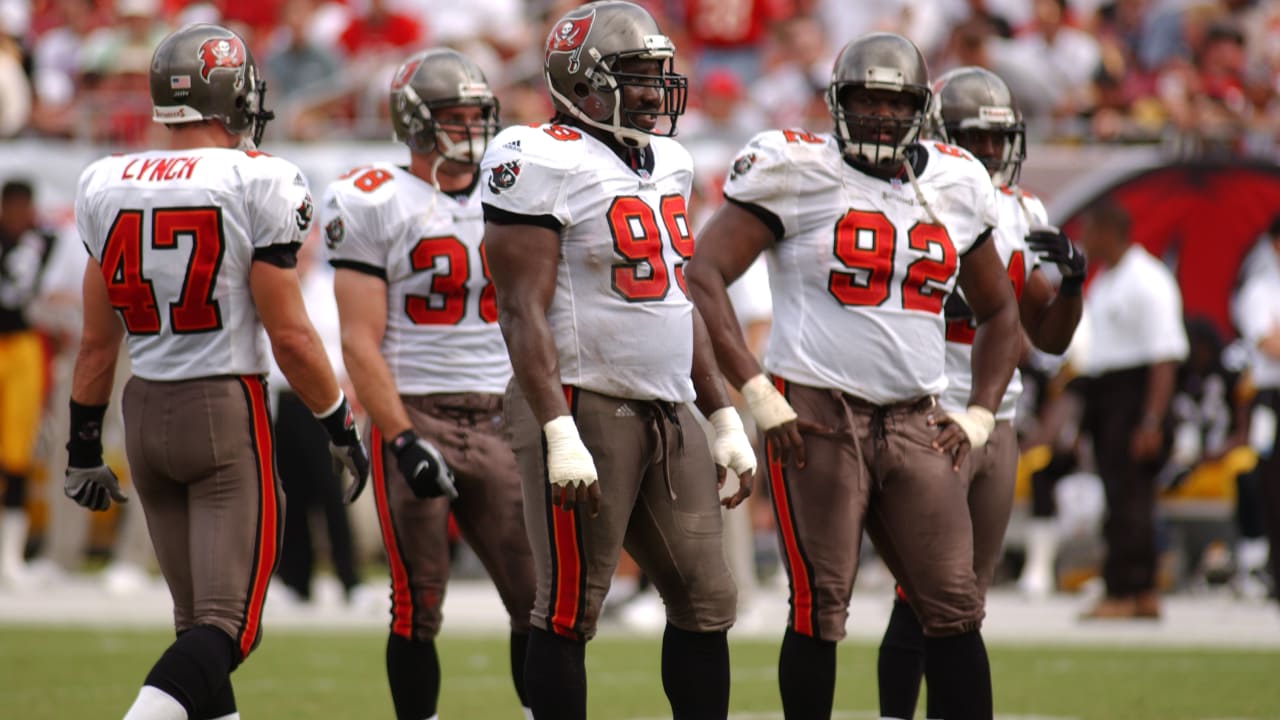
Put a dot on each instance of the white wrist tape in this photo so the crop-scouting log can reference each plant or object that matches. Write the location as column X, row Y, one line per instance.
column 332, row 408
column 768, row 406
column 569, row 462
column 732, row 448
column 977, row 423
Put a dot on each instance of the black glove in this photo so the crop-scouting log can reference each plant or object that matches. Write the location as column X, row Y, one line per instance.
column 1053, row 246
column 347, row 449
column 423, row 467
column 89, row 481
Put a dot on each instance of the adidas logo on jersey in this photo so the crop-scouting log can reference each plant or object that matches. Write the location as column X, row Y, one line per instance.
column 624, row 410
column 513, row 145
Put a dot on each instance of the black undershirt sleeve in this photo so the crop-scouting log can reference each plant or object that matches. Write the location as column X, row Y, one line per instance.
column 360, row 267
column 498, row 216
column 985, row 236
column 282, row 255
column 766, row 216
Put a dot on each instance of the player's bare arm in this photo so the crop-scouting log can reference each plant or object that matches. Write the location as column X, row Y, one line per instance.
column 294, row 341
column 731, row 447
column 362, row 312
column 297, row 349
column 523, row 262
column 88, row 479
column 1049, row 318
column 731, row 241
column 99, row 344
column 996, row 347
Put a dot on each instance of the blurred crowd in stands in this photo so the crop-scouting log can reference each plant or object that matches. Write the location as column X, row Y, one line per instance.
column 1199, row 76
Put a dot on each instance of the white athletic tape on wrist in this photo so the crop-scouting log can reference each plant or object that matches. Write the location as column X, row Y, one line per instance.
column 569, row 462
column 332, row 408
column 768, row 406
column 977, row 423
column 732, row 448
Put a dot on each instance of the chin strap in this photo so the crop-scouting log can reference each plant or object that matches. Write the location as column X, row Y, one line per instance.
column 915, row 185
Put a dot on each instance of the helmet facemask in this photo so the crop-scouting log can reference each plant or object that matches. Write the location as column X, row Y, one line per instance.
column 255, row 107
column 601, row 103
column 877, row 140
column 427, row 133
column 997, row 138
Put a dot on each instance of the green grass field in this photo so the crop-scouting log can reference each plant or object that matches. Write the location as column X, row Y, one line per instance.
column 48, row 674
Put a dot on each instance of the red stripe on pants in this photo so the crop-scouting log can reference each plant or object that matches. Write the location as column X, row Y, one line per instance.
column 801, row 592
column 568, row 562
column 268, row 518
column 401, row 598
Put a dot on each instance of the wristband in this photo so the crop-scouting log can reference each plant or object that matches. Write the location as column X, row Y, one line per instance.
column 84, row 446
column 337, row 419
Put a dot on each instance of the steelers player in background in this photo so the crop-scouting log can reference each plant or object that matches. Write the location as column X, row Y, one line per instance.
column 24, row 252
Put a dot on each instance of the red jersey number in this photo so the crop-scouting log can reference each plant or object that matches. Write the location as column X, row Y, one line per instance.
column 865, row 242
column 447, row 302
column 963, row 331
column 367, row 178
column 132, row 294
column 643, row 276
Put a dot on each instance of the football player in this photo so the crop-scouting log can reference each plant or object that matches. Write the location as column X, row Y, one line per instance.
column 25, row 249
column 866, row 233
column 422, row 345
column 973, row 108
column 587, row 234
column 193, row 251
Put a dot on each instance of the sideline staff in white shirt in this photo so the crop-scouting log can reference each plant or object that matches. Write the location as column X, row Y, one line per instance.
column 1256, row 312
column 1137, row 341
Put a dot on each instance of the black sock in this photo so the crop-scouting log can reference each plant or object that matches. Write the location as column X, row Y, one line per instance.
column 194, row 669
column 222, row 704
column 413, row 672
column 806, row 676
column 695, row 673
column 519, row 650
column 15, row 491
column 959, row 674
column 901, row 663
column 555, row 676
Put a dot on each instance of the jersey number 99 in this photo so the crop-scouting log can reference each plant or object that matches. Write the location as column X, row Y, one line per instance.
column 642, row 276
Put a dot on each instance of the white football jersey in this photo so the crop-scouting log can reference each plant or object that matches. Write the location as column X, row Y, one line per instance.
column 442, row 334
column 175, row 232
column 861, row 270
column 1018, row 213
column 622, row 323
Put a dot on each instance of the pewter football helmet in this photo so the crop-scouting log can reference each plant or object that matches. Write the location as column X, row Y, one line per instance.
column 878, row 61
column 436, row 79
column 969, row 101
column 205, row 72
column 583, row 54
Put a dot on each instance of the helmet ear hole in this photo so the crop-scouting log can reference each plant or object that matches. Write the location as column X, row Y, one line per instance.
column 581, row 90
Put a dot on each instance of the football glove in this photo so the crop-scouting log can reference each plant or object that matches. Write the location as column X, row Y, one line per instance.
column 977, row 423
column 423, row 467
column 345, row 446
column 569, row 463
column 1052, row 245
column 89, row 481
column 732, row 449
column 768, row 406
